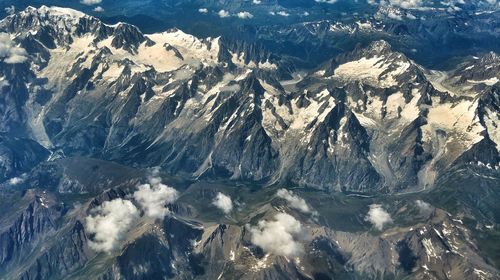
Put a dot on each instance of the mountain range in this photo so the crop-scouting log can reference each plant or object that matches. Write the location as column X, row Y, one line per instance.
column 325, row 156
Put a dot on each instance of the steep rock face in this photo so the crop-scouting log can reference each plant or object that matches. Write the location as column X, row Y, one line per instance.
column 229, row 251
column 442, row 249
column 66, row 256
column 488, row 114
column 426, row 251
column 405, row 110
column 162, row 250
column 388, row 95
column 18, row 156
column 161, row 253
column 474, row 84
column 245, row 148
column 28, row 229
column 483, row 69
column 14, row 95
column 337, row 155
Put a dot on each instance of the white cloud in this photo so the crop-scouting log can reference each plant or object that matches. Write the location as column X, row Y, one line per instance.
column 91, row 2
column 294, row 201
column 223, row 13
column 407, row 4
column 98, row 9
column 203, row 10
column 16, row 180
column 451, row 6
column 378, row 217
column 257, row 2
column 223, row 202
column 4, row 83
column 10, row 10
column 109, row 223
column 280, row 236
column 154, row 196
column 326, row 1
column 9, row 52
column 283, row 13
column 411, row 4
column 424, row 207
column 244, row 15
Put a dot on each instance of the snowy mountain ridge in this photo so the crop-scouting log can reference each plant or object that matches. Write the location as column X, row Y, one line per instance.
column 196, row 107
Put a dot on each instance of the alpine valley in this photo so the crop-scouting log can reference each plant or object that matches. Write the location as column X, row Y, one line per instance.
column 315, row 149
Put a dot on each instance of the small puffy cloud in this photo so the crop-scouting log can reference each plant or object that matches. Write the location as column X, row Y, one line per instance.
column 283, row 14
column 154, row 197
column 294, row 201
column 9, row 52
column 223, row 202
column 16, row 180
column 257, row 2
column 203, row 10
column 10, row 10
column 378, row 217
column 424, row 207
column 223, row 14
column 407, row 4
column 4, row 83
column 451, row 6
column 91, row 2
column 244, row 15
column 281, row 236
column 109, row 223
column 326, row 1
column 98, row 9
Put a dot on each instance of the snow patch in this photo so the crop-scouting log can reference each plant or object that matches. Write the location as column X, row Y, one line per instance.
column 373, row 71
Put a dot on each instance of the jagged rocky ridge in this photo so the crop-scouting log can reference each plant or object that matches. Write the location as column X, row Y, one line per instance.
column 369, row 120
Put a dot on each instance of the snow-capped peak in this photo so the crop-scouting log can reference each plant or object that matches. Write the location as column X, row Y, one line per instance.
column 46, row 12
column 59, row 11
